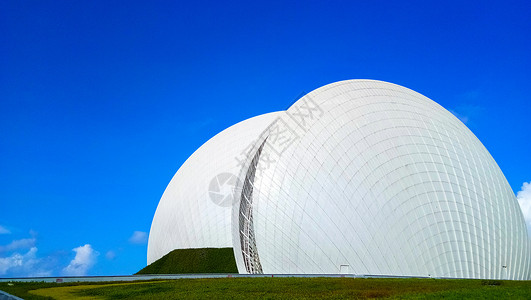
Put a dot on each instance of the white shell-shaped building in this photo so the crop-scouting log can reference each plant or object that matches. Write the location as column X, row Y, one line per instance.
column 195, row 209
column 357, row 177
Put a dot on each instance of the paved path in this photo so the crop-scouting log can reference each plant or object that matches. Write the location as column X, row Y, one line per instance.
column 179, row 276
column 6, row 296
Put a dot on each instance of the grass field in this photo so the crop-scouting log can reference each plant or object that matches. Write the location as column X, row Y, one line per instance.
column 186, row 261
column 277, row 288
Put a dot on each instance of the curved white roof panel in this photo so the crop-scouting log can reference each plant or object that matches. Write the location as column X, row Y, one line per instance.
column 368, row 177
column 194, row 211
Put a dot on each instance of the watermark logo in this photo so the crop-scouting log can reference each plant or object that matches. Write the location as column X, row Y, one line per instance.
column 281, row 136
column 303, row 112
column 221, row 189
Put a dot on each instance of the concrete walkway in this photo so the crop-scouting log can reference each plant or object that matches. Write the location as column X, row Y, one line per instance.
column 179, row 276
column 6, row 296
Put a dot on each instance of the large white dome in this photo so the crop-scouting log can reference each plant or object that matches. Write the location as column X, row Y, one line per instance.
column 368, row 177
column 195, row 209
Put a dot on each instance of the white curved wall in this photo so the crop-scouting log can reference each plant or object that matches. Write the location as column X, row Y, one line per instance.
column 379, row 179
column 191, row 212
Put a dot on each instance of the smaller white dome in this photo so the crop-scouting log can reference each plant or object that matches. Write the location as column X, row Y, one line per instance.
column 195, row 209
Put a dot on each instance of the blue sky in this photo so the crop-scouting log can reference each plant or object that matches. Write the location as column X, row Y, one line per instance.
column 102, row 101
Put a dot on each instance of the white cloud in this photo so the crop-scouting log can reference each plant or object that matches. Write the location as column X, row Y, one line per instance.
column 138, row 237
column 461, row 117
column 24, row 265
column 4, row 230
column 524, row 199
column 18, row 244
column 84, row 260
column 467, row 112
column 110, row 255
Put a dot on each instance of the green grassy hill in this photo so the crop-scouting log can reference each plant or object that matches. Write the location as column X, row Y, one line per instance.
column 203, row 260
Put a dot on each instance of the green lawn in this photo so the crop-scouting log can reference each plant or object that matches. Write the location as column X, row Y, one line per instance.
column 278, row 288
column 203, row 260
